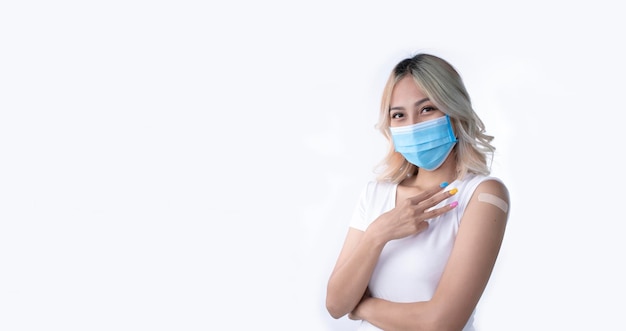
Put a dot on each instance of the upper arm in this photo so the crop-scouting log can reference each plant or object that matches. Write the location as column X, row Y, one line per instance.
column 474, row 254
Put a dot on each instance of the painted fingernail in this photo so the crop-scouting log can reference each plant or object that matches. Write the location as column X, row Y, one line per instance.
column 454, row 204
column 453, row 191
column 444, row 184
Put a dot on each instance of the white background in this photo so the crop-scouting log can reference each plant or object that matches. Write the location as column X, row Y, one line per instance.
column 182, row 165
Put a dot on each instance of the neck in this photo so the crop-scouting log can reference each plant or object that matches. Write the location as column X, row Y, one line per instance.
column 445, row 173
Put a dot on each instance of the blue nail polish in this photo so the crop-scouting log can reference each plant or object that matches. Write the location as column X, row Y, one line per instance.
column 444, row 184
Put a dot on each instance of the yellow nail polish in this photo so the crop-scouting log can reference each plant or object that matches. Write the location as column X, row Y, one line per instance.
column 453, row 191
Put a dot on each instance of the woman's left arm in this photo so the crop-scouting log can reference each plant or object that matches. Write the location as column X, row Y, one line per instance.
column 465, row 276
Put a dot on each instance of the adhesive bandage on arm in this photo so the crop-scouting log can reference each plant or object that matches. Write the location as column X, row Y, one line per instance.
column 494, row 200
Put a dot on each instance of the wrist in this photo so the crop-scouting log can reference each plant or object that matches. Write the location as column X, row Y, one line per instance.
column 365, row 307
column 374, row 239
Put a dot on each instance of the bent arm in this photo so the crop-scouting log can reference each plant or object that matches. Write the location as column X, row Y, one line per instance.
column 355, row 264
column 465, row 277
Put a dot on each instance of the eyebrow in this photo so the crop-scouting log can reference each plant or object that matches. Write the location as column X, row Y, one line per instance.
column 419, row 102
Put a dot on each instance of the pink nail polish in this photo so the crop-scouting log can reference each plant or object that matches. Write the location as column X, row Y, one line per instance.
column 454, row 204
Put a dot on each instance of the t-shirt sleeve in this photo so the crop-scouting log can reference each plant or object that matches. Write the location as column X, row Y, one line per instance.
column 359, row 219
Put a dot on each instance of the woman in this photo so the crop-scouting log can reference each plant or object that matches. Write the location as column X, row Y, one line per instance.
column 419, row 251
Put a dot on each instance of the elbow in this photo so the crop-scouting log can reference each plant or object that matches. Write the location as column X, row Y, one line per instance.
column 335, row 310
column 337, row 306
column 334, row 313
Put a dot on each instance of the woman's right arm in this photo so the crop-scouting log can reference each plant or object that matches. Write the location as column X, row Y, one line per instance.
column 355, row 264
column 361, row 249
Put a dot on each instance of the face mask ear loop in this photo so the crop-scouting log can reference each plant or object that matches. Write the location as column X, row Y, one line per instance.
column 450, row 131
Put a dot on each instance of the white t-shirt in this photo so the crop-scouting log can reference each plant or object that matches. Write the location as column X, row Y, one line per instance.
column 409, row 269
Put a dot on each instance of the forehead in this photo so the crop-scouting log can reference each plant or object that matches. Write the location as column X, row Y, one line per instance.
column 407, row 90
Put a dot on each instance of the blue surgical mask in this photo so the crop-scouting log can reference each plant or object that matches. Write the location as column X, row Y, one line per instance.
column 426, row 144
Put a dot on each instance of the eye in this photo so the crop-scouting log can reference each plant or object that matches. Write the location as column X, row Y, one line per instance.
column 428, row 109
column 396, row 114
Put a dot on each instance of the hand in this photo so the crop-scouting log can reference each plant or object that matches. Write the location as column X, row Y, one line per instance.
column 409, row 216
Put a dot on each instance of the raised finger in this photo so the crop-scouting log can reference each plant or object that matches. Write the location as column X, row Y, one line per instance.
column 427, row 193
column 441, row 210
column 436, row 199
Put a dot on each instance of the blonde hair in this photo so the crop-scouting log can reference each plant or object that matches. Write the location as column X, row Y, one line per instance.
column 444, row 87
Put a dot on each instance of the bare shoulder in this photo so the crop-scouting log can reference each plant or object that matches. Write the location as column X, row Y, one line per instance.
column 492, row 196
column 493, row 186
